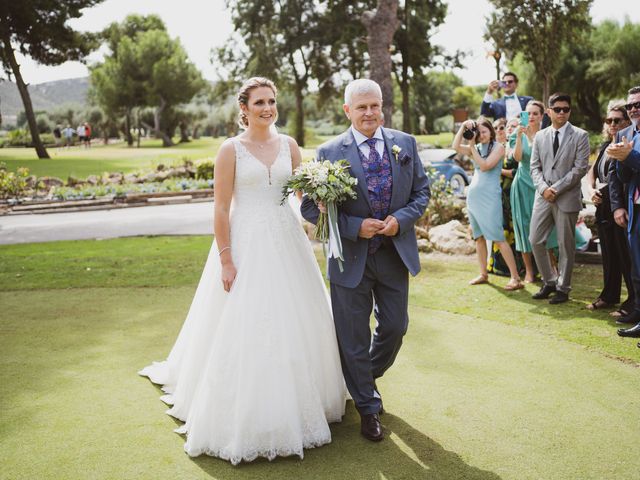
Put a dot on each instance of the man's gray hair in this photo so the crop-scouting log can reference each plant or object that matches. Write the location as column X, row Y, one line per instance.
column 361, row 86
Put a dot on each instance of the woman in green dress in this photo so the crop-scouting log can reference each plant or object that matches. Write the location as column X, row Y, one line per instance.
column 522, row 189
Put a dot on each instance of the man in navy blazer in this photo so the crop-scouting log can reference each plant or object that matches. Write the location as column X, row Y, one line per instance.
column 508, row 106
column 378, row 242
column 626, row 150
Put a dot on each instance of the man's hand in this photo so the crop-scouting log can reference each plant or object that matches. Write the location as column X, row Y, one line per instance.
column 596, row 196
column 493, row 87
column 370, row 227
column 391, row 226
column 550, row 194
column 322, row 207
column 621, row 217
column 620, row 151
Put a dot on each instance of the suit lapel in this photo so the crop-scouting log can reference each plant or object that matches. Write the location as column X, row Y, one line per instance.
column 351, row 154
column 389, row 139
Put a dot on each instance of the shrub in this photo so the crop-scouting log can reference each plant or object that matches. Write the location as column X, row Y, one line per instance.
column 13, row 184
column 205, row 170
column 444, row 206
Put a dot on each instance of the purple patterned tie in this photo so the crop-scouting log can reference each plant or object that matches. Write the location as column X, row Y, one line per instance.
column 374, row 156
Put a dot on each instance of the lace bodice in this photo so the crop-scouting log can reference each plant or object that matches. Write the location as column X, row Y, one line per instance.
column 257, row 185
column 256, row 203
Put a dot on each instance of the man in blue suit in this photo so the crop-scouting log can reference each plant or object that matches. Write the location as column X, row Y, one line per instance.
column 508, row 106
column 379, row 245
column 626, row 150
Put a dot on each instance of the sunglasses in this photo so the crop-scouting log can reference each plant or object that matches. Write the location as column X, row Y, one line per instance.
column 509, row 81
column 630, row 106
column 561, row 109
column 614, row 121
column 500, row 128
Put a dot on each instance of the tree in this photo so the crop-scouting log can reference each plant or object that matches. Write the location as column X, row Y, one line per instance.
column 381, row 24
column 280, row 40
column 38, row 29
column 412, row 42
column 432, row 96
column 538, row 29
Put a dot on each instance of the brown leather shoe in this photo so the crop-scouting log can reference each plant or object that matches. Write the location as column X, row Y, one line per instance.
column 370, row 427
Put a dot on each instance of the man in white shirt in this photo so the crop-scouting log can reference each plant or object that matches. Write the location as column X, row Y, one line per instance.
column 508, row 106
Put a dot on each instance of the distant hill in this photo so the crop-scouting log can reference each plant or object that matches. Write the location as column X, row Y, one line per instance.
column 45, row 96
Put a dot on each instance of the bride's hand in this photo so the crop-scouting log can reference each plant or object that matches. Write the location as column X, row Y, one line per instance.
column 228, row 276
column 322, row 207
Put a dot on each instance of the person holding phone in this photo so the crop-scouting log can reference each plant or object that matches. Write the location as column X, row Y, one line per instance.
column 616, row 262
column 510, row 104
column 523, row 191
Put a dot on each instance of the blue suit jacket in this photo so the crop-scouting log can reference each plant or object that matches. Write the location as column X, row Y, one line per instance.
column 498, row 108
column 409, row 198
column 628, row 173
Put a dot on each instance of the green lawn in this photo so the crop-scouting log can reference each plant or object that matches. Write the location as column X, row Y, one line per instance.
column 80, row 162
column 488, row 385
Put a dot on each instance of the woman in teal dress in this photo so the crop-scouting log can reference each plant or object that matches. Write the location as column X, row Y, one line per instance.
column 484, row 196
column 522, row 189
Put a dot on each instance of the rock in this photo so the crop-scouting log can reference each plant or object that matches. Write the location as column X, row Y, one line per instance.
column 73, row 181
column 161, row 176
column 49, row 182
column 160, row 167
column 31, row 181
column 130, row 178
column 149, row 177
column 424, row 245
column 115, row 178
column 452, row 237
column 93, row 180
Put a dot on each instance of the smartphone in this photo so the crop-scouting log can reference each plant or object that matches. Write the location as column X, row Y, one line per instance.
column 502, row 84
column 524, row 119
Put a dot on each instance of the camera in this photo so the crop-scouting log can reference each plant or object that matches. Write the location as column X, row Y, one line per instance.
column 470, row 133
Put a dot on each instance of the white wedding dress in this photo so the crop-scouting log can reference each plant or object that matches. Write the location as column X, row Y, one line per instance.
column 256, row 371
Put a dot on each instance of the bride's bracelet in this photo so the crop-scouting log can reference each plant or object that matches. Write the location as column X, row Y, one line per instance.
column 223, row 250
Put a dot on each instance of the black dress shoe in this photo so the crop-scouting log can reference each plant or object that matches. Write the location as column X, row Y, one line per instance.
column 544, row 292
column 370, row 427
column 633, row 332
column 632, row 318
column 559, row 297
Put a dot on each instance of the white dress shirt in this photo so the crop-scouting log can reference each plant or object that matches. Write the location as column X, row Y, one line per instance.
column 361, row 141
column 513, row 104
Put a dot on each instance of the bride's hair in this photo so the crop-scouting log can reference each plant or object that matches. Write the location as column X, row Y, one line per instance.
column 243, row 96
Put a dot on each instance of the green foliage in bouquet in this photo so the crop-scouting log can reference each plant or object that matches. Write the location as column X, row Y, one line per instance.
column 326, row 182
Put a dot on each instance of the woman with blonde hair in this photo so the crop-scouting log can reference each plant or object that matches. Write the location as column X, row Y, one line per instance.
column 255, row 371
column 484, row 196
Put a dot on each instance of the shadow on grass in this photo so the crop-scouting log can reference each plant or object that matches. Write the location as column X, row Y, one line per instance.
column 405, row 453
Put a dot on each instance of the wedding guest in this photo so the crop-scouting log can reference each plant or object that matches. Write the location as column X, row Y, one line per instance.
column 559, row 160
column 67, row 133
column 616, row 262
column 484, row 197
column 523, row 191
column 497, row 264
column 626, row 150
column 510, row 104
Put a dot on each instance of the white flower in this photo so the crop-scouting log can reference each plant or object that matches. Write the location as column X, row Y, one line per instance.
column 396, row 151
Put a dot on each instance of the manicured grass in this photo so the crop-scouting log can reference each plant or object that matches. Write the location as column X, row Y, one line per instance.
column 488, row 384
column 438, row 140
column 80, row 162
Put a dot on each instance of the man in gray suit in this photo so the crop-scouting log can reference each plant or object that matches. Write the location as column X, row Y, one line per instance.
column 559, row 160
column 379, row 245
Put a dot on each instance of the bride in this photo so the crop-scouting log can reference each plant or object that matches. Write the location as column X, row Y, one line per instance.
column 255, row 370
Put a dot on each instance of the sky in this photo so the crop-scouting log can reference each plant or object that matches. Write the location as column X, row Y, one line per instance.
column 204, row 24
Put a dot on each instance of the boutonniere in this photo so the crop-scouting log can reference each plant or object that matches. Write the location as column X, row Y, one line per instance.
column 396, row 151
column 401, row 157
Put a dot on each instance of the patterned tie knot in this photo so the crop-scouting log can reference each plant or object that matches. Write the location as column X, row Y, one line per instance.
column 371, row 142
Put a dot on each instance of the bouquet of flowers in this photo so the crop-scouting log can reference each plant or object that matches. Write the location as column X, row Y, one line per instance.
column 331, row 184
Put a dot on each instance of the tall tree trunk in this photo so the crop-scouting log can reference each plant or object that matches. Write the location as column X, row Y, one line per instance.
column 157, row 117
column 184, row 135
column 546, row 80
column 381, row 25
column 406, row 110
column 127, row 128
column 299, row 116
column 139, row 127
column 26, row 99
